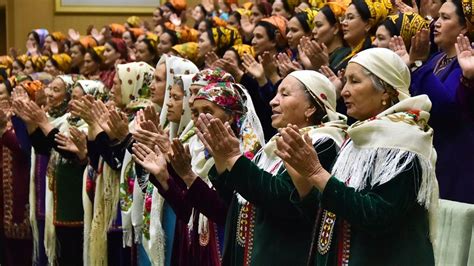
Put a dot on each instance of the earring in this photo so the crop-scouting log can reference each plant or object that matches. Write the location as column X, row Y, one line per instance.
column 307, row 119
column 384, row 103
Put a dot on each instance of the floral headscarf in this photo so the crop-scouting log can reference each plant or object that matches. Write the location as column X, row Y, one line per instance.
column 209, row 75
column 93, row 87
column 174, row 66
column 225, row 37
column 38, row 62
column 135, row 79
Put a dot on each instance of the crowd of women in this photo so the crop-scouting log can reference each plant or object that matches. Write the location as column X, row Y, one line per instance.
column 262, row 133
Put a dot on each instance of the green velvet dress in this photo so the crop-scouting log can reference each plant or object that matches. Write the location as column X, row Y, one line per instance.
column 383, row 225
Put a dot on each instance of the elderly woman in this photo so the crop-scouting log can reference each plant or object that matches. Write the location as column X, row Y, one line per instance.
column 261, row 209
column 440, row 77
column 381, row 190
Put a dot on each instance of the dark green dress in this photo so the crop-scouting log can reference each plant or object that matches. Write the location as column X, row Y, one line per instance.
column 383, row 225
column 280, row 229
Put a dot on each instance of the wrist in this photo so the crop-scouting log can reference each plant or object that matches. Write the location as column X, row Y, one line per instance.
column 230, row 162
column 319, row 179
column 189, row 179
column 262, row 81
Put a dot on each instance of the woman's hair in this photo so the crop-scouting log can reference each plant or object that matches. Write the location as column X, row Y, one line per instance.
column 82, row 49
column 237, row 15
column 382, row 86
column 302, row 18
column 330, row 17
column 36, row 36
column 95, row 57
column 202, row 9
column 270, row 29
column 460, row 12
column 264, row 8
column 362, row 9
column 172, row 34
column 54, row 62
column 132, row 36
column 320, row 110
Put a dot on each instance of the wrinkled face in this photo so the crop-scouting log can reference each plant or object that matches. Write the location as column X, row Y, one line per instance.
column 127, row 37
column 90, row 66
column 29, row 68
column 447, row 27
column 354, row 28
column 157, row 18
column 16, row 68
column 290, row 104
column 4, row 95
column 198, row 14
column 116, row 92
column 382, row 37
column 77, row 93
column 51, row 69
column 204, row 44
column 110, row 54
column 56, row 93
column 193, row 90
column 279, row 9
column 143, row 54
column 77, row 58
column 158, row 86
column 360, row 96
column 256, row 15
column 261, row 42
column 295, row 32
column 175, row 104
column 165, row 44
column 323, row 31
column 201, row 106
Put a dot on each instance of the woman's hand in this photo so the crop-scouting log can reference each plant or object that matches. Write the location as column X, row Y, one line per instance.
column 397, row 45
column 271, row 66
column 210, row 59
column 181, row 162
column 465, row 56
column 37, row 116
column 220, row 141
column 255, row 69
column 153, row 161
column 420, row 46
column 246, row 26
column 74, row 35
column 76, row 143
column 298, row 153
column 337, row 81
column 286, row 66
column 317, row 53
column 118, row 124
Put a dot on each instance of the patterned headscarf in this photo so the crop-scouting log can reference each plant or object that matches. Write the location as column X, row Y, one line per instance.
column 93, row 87
column 224, row 95
column 338, row 8
column 134, row 21
column 135, row 79
column 117, row 30
column 69, row 81
column 310, row 14
column 174, row 66
column 467, row 6
column 405, row 25
column 189, row 50
column 120, row 46
column 58, row 36
column 177, row 129
column 6, row 61
column 38, row 62
column 99, row 50
column 242, row 49
column 379, row 10
column 209, row 76
column 279, row 22
column 32, row 87
column 63, row 61
column 225, row 37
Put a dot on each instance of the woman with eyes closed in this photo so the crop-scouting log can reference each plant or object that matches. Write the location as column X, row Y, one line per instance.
column 266, row 201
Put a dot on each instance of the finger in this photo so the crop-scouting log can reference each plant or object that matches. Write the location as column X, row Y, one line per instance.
column 229, row 129
column 204, row 142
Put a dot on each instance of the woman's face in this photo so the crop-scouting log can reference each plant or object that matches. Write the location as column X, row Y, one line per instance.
column 77, row 93
column 32, row 40
column 202, row 27
column 197, row 14
column 204, row 44
column 193, row 90
column 362, row 99
column 158, row 30
column 233, row 22
column 175, row 104
column 29, row 68
column 279, row 9
column 290, row 104
column 165, row 44
column 47, row 43
column 4, row 95
column 116, row 92
column 354, row 28
column 143, row 54
column 256, row 15
column 382, row 37
column 16, row 68
column 77, row 58
column 295, row 32
column 434, row 8
column 51, row 69
column 166, row 12
column 127, row 37
column 158, row 86
column 157, row 18
column 110, row 54
column 261, row 42
column 90, row 66
column 56, row 93
column 447, row 27
column 323, row 31
column 232, row 57
column 201, row 106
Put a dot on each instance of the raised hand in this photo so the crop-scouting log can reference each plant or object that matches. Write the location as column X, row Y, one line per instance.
column 181, row 162
column 420, row 46
column 151, row 136
column 65, row 143
column 397, row 45
column 74, row 35
column 337, row 81
column 31, row 47
column 54, row 47
column 210, row 59
column 317, row 53
column 298, row 153
column 465, row 55
column 118, row 124
column 285, row 65
column 271, row 66
column 254, row 68
column 404, row 8
column 97, row 35
column 246, row 26
column 175, row 20
column 152, row 160
column 229, row 67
